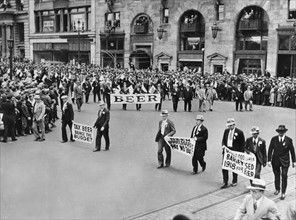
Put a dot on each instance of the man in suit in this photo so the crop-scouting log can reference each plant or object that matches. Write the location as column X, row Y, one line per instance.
column 87, row 89
column 38, row 119
column 9, row 118
column 78, row 94
column 96, row 89
column 187, row 95
column 200, row 135
column 233, row 139
column 102, row 126
column 166, row 128
column 256, row 206
column 257, row 146
column 175, row 93
column 67, row 119
column 278, row 157
column 239, row 98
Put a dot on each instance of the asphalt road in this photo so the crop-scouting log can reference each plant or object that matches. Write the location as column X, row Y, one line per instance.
column 51, row 180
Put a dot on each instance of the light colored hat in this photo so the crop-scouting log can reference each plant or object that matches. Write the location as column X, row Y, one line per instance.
column 164, row 112
column 255, row 130
column 101, row 103
column 64, row 97
column 37, row 97
column 199, row 117
column 230, row 121
column 257, row 184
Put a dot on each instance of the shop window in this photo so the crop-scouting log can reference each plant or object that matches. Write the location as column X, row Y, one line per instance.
column 165, row 16
column 292, row 9
column 21, row 32
column 112, row 20
column 80, row 14
column 58, row 21
column 252, row 43
column 220, row 12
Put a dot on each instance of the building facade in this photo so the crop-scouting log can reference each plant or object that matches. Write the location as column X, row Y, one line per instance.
column 207, row 35
column 14, row 25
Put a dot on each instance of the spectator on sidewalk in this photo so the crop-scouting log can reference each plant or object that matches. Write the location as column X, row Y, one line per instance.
column 38, row 119
column 257, row 206
column 279, row 158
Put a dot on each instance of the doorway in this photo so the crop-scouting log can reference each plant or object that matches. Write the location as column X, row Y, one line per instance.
column 218, row 68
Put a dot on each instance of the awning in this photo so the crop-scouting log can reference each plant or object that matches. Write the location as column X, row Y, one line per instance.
column 190, row 60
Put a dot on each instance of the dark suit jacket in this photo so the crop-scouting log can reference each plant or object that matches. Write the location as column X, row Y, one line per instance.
column 238, row 143
column 187, row 95
column 201, row 138
column 8, row 109
column 278, row 153
column 68, row 114
column 175, row 94
column 238, row 95
column 260, row 152
column 103, row 120
column 168, row 131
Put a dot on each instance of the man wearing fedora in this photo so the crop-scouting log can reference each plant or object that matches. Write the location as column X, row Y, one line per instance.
column 166, row 128
column 255, row 205
column 233, row 139
column 67, row 118
column 102, row 126
column 200, row 135
column 257, row 146
column 278, row 158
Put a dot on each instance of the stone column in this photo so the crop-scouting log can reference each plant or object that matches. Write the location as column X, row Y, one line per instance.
column 4, row 45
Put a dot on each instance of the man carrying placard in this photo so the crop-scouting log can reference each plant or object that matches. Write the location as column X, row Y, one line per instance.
column 200, row 135
column 67, row 118
column 102, row 126
column 233, row 139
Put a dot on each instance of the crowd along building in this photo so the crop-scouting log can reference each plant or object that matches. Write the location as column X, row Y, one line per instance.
column 212, row 36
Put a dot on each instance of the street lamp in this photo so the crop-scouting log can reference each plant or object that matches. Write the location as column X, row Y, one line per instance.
column 10, row 47
column 215, row 30
column 79, row 28
column 160, row 32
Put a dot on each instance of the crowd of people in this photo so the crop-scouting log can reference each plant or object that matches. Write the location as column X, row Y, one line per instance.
column 32, row 93
column 29, row 81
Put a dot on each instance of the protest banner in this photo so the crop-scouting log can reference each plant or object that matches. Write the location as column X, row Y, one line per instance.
column 83, row 133
column 134, row 98
column 240, row 163
column 181, row 144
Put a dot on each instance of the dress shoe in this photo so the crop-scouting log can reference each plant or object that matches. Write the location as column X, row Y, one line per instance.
column 64, row 141
column 276, row 192
column 167, row 165
column 283, row 196
column 14, row 139
column 106, row 149
column 36, row 139
column 95, row 150
column 43, row 139
column 4, row 141
column 204, row 167
column 224, row 186
column 72, row 140
column 193, row 173
column 160, row 166
column 234, row 184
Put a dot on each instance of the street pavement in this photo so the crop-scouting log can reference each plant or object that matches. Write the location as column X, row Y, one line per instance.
column 51, row 180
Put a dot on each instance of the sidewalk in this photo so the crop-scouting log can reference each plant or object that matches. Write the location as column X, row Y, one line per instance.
column 222, row 204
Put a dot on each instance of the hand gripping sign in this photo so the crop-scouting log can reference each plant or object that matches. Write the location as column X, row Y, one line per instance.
column 83, row 133
column 240, row 163
column 181, row 144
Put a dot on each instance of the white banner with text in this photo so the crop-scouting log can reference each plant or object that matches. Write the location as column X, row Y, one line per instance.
column 240, row 163
column 83, row 133
column 181, row 144
column 134, row 98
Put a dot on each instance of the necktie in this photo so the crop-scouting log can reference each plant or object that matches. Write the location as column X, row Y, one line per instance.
column 281, row 140
column 254, row 145
column 255, row 206
column 100, row 114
